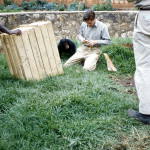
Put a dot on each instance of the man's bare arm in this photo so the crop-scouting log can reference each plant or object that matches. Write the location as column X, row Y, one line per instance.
column 5, row 30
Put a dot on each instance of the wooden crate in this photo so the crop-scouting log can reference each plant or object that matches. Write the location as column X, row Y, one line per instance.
column 34, row 54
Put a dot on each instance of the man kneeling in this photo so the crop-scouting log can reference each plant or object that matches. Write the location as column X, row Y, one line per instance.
column 92, row 34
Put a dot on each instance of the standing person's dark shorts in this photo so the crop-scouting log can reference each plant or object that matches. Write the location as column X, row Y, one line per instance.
column 141, row 42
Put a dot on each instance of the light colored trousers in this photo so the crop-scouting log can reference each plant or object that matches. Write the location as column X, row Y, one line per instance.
column 89, row 55
column 141, row 41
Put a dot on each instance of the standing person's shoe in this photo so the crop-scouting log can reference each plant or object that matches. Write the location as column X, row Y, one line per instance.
column 138, row 116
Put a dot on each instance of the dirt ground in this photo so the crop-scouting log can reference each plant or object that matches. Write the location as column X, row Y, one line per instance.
column 128, row 45
column 127, row 82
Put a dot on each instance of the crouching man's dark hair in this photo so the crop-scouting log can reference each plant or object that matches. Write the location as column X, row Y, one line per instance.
column 89, row 15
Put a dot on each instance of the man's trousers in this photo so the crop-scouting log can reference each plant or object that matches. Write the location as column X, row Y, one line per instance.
column 141, row 41
column 89, row 55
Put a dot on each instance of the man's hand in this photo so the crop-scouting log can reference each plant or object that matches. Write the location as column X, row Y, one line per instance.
column 17, row 32
column 91, row 43
column 84, row 41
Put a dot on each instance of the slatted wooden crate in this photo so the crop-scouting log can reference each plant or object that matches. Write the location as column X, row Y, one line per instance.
column 34, row 54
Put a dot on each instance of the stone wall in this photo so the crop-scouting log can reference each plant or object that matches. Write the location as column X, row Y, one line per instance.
column 66, row 24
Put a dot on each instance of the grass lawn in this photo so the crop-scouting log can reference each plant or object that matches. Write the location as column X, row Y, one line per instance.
column 76, row 110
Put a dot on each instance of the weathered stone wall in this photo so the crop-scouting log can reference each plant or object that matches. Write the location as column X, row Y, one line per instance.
column 66, row 24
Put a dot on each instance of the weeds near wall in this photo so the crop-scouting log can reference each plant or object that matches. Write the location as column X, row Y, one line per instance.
column 53, row 6
column 107, row 5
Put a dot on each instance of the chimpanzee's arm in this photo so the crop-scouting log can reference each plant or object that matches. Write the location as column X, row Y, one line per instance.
column 73, row 47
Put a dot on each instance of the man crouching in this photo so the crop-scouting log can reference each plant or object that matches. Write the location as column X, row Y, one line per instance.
column 92, row 34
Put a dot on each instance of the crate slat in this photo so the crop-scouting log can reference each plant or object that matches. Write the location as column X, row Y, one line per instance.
column 16, row 57
column 11, row 56
column 49, row 50
column 42, row 50
column 37, row 55
column 54, row 47
column 30, row 55
column 7, row 55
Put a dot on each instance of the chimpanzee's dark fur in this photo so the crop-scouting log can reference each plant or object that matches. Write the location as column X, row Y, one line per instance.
column 71, row 47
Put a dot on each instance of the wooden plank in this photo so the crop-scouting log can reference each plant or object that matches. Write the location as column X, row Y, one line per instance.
column 43, row 51
column 36, row 53
column 110, row 65
column 16, row 57
column 7, row 55
column 49, row 50
column 11, row 57
column 54, row 47
column 23, row 57
column 30, row 55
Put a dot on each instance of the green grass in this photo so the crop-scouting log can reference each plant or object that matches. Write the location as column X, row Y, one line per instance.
column 76, row 110
column 122, row 40
column 122, row 57
column 9, row 11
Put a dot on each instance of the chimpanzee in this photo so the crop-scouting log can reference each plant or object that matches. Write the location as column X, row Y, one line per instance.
column 66, row 46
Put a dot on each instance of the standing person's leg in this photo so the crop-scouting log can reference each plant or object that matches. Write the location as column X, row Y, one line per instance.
column 77, row 57
column 141, row 43
column 142, row 73
column 92, row 58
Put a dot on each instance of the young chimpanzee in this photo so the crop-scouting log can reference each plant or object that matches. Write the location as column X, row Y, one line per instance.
column 66, row 46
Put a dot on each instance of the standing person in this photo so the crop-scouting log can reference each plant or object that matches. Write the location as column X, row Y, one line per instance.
column 92, row 34
column 5, row 30
column 141, row 42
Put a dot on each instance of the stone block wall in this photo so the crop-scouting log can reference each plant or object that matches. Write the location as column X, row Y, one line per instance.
column 66, row 24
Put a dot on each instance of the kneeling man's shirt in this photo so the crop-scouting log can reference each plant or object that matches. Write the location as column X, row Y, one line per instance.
column 98, row 32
